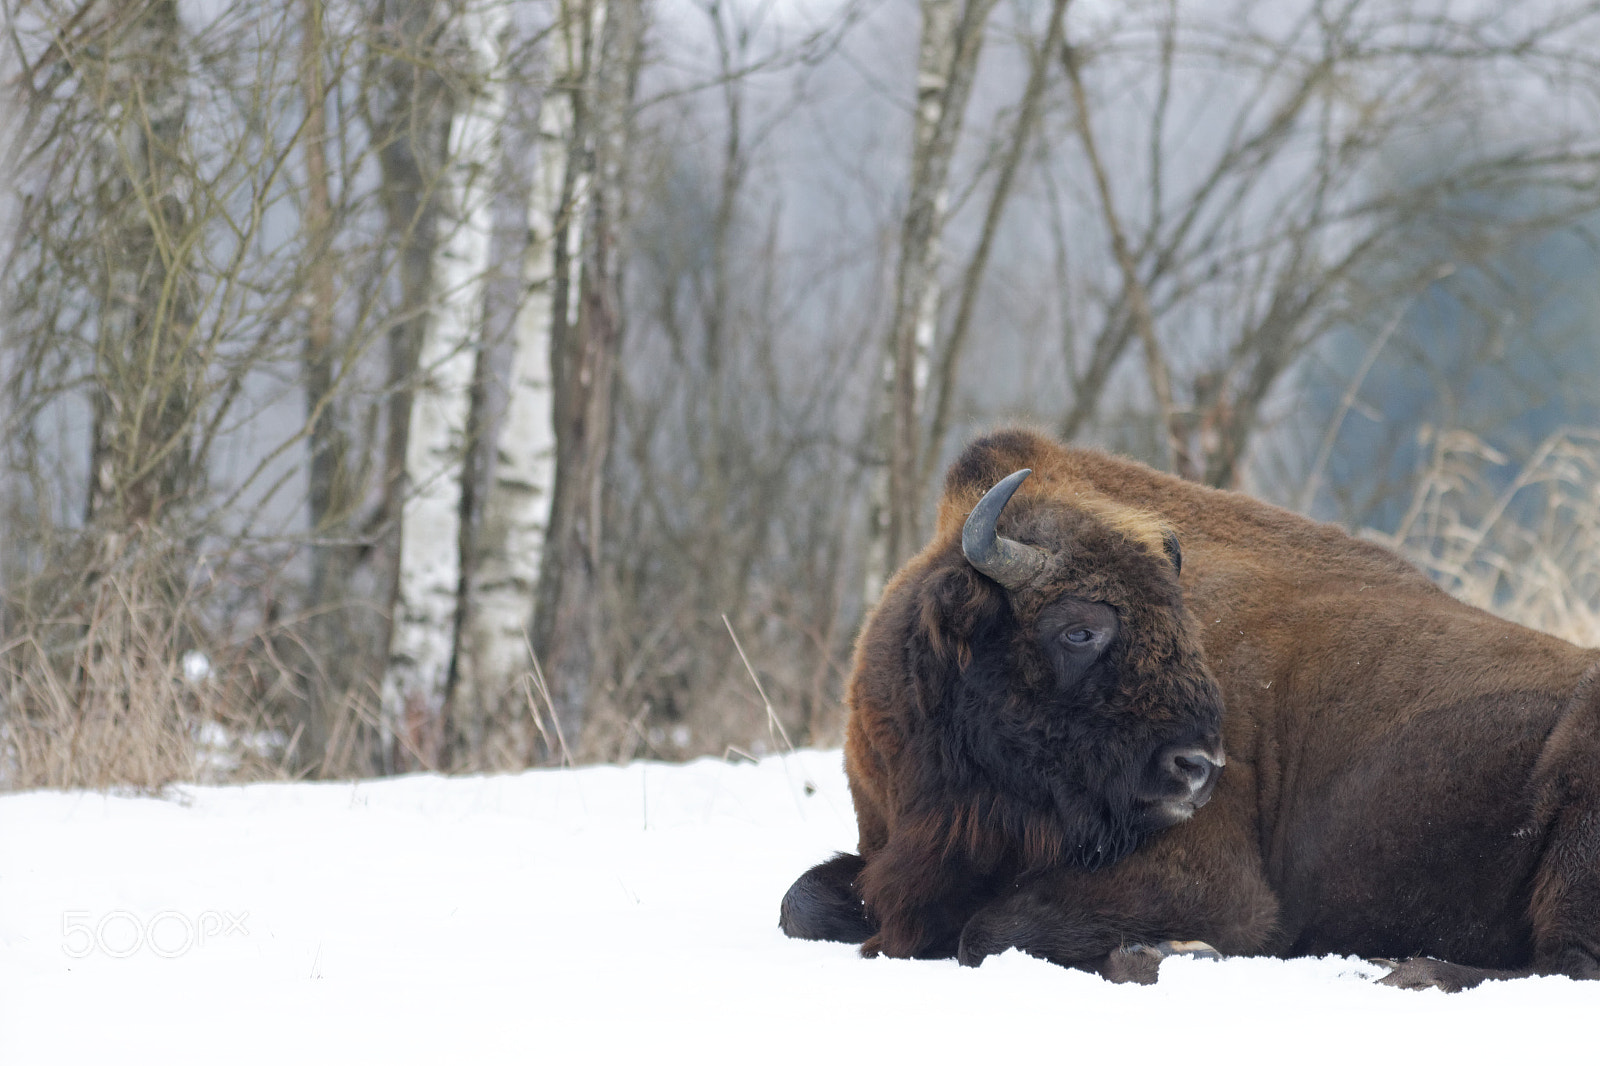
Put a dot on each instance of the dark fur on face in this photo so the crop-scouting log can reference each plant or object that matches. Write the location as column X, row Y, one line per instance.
column 996, row 733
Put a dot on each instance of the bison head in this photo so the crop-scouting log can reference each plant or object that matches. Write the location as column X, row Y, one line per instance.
column 1062, row 703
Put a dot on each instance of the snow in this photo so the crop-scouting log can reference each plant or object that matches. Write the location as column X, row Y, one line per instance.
column 606, row 914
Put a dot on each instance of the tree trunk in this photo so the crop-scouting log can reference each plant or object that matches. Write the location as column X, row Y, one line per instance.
column 146, row 370
column 1156, row 368
column 333, row 495
column 1021, row 135
column 411, row 130
column 429, row 600
column 516, row 420
column 952, row 38
column 568, row 622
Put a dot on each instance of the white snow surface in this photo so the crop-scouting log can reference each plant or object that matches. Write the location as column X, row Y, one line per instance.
column 600, row 915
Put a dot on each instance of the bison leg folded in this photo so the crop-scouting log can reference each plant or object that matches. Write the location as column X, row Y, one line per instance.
column 920, row 899
column 824, row 904
column 1078, row 944
column 1198, row 882
column 1038, row 921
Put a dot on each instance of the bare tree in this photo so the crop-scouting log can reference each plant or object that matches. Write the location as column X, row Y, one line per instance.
column 333, row 495
column 153, row 284
column 952, row 40
column 145, row 407
column 1024, row 127
column 585, row 347
column 734, row 406
column 1261, row 252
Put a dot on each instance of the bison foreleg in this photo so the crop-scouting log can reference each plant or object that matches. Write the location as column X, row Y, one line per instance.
column 1039, row 922
column 1076, row 945
column 1122, row 921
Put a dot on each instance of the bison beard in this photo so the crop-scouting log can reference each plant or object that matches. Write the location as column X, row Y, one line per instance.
column 1013, row 711
column 1408, row 777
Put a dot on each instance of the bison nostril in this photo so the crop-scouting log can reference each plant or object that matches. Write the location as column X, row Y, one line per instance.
column 1191, row 765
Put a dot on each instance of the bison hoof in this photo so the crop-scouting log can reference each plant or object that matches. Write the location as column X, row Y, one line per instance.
column 1133, row 964
column 978, row 942
column 1191, row 949
column 1140, row 964
column 1419, row 974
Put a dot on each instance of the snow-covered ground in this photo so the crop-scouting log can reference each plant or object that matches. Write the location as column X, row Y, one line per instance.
column 600, row 915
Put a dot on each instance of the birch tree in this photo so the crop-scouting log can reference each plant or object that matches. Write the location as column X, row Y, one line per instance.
column 432, row 169
column 952, row 39
column 516, row 438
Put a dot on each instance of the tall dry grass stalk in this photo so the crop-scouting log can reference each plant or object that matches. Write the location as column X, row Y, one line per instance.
column 1522, row 544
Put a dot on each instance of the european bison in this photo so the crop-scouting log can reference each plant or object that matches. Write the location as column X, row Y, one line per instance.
column 1014, row 710
column 1407, row 776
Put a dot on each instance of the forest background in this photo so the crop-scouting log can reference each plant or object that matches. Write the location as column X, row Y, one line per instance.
column 477, row 384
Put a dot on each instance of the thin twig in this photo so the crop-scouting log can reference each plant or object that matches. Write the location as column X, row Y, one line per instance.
column 772, row 715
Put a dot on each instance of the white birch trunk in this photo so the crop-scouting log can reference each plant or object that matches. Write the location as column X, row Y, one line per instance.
column 945, row 66
column 516, row 511
column 578, row 47
column 423, row 636
column 934, row 72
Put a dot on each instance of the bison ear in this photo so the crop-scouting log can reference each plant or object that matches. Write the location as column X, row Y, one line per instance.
column 952, row 603
column 1169, row 541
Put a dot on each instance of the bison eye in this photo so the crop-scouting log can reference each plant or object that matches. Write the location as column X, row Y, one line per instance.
column 1074, row 633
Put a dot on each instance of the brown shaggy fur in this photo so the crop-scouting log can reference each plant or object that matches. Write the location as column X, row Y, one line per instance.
column 1407, row 776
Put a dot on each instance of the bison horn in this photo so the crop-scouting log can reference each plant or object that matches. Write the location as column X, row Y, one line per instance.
column 1011, row 563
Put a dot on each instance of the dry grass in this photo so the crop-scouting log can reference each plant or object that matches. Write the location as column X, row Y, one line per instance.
column 1523, row 544
column 108, row 679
